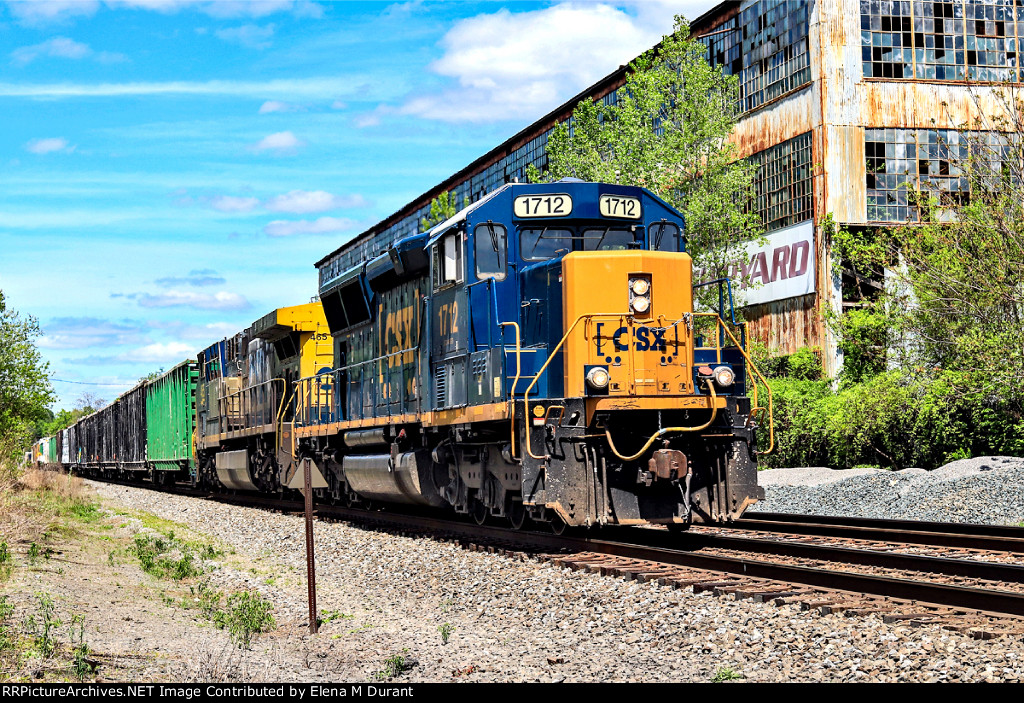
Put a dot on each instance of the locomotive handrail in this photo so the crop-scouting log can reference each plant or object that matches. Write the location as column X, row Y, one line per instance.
column 515, row 382
column 526, row 394
column 757, row 372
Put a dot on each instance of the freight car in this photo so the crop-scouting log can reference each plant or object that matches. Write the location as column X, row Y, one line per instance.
column 537, row 355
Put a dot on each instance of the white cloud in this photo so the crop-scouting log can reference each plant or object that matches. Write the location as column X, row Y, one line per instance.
column 85, row 332
column 59, row 47
column 159, row 352
column 221, row 300
column 301, row 202
column 280, row 142
column 517, row 65
column 313, row 88
column 339, row 105
column 49, row 145
column 249, row 35
column 43, row 12
column 279, row 106
column 230, row 203
column 322, row 225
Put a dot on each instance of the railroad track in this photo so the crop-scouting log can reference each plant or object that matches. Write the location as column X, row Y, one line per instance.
column 835, row 565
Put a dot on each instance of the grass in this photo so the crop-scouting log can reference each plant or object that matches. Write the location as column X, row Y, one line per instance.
column 726, row 674
column 243, row 614
column 394, row 666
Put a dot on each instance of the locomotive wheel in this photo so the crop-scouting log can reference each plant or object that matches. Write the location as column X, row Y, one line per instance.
column 479, row 512
column 557, row 524
column 516, row 514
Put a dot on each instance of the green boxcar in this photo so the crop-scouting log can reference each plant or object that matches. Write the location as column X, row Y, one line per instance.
column 170, row 419
column 52, row 457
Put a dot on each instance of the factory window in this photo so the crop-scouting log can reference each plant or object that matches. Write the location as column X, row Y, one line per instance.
column 782, row 187
column 904, row 165
column 767, row 47
column 942, row 40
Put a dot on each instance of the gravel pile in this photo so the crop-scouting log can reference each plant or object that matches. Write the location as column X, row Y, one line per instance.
column 987, row 490
column 511, row 620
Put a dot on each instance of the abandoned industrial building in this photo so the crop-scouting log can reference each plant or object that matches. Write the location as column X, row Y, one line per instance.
column 847, row 107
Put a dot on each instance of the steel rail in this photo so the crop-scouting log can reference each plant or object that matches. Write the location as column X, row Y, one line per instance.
column 959, row 535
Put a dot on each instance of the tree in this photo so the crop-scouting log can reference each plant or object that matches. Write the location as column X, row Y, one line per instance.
column 441, row 208
column 668, row 132
column 25, row 389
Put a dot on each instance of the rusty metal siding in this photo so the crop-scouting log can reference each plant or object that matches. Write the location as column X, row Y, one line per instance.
column 786, row 325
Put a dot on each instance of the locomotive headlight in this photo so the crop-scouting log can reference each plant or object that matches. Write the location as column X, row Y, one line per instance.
column 597, row 378
column 640, row 286
column 641, row 303
column 724, row 376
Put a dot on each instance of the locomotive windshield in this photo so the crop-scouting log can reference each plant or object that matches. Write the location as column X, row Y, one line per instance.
column 541, row 244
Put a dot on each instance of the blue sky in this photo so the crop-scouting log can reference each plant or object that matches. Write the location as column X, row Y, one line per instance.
column 172, row 169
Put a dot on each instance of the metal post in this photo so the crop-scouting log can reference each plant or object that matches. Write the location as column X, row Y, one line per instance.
column 310, row 564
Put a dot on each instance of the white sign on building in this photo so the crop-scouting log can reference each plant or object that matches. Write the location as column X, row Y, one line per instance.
column 781, row 268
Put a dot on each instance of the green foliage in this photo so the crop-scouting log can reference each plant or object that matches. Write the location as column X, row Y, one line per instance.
column 25, row 389
column 246, row 613
column 441, row 208
column 394, row 666
column 42, row 628
column 726, row 674
column 33, row 553
column 6, row 560
column 446, row 631
column 890, row 420
column 6, row 636
column 690, row 164
column 156, row 555
column 327, row 616
column 81, row 667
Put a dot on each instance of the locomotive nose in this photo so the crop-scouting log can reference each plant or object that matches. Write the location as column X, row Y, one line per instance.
column 636, row 333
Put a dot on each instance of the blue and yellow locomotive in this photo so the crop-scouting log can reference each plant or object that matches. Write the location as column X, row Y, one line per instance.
column 536, row 355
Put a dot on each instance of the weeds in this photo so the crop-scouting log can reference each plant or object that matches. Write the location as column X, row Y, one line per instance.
column 446, row 631
column 6, row 638
column 80, row 664
column 726, row 674
column 33, row 553
column 247, row 613
column 327, row 616
column 42, row 629
column 6, row 561
column 157, row 557
column 394, row 666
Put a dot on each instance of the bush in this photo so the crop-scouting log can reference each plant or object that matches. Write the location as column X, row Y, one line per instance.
column 246, row 614
column 892, row 421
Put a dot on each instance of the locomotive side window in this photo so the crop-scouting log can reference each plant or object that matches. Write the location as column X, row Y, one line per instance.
column 664, row 236
column 490, row 249
column 607, row 239
column 448, row 261
column 547, row 243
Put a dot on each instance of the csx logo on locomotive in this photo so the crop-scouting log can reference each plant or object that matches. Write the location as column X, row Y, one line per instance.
column 643, row 338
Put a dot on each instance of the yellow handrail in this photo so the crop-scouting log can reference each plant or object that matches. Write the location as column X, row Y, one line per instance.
column 754, row 396
column 515, row 382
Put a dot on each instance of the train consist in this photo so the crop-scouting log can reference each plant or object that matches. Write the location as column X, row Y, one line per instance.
column 538, row 355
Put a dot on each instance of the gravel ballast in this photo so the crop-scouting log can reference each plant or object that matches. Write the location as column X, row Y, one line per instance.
column 985, row 490
column 526, row 621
